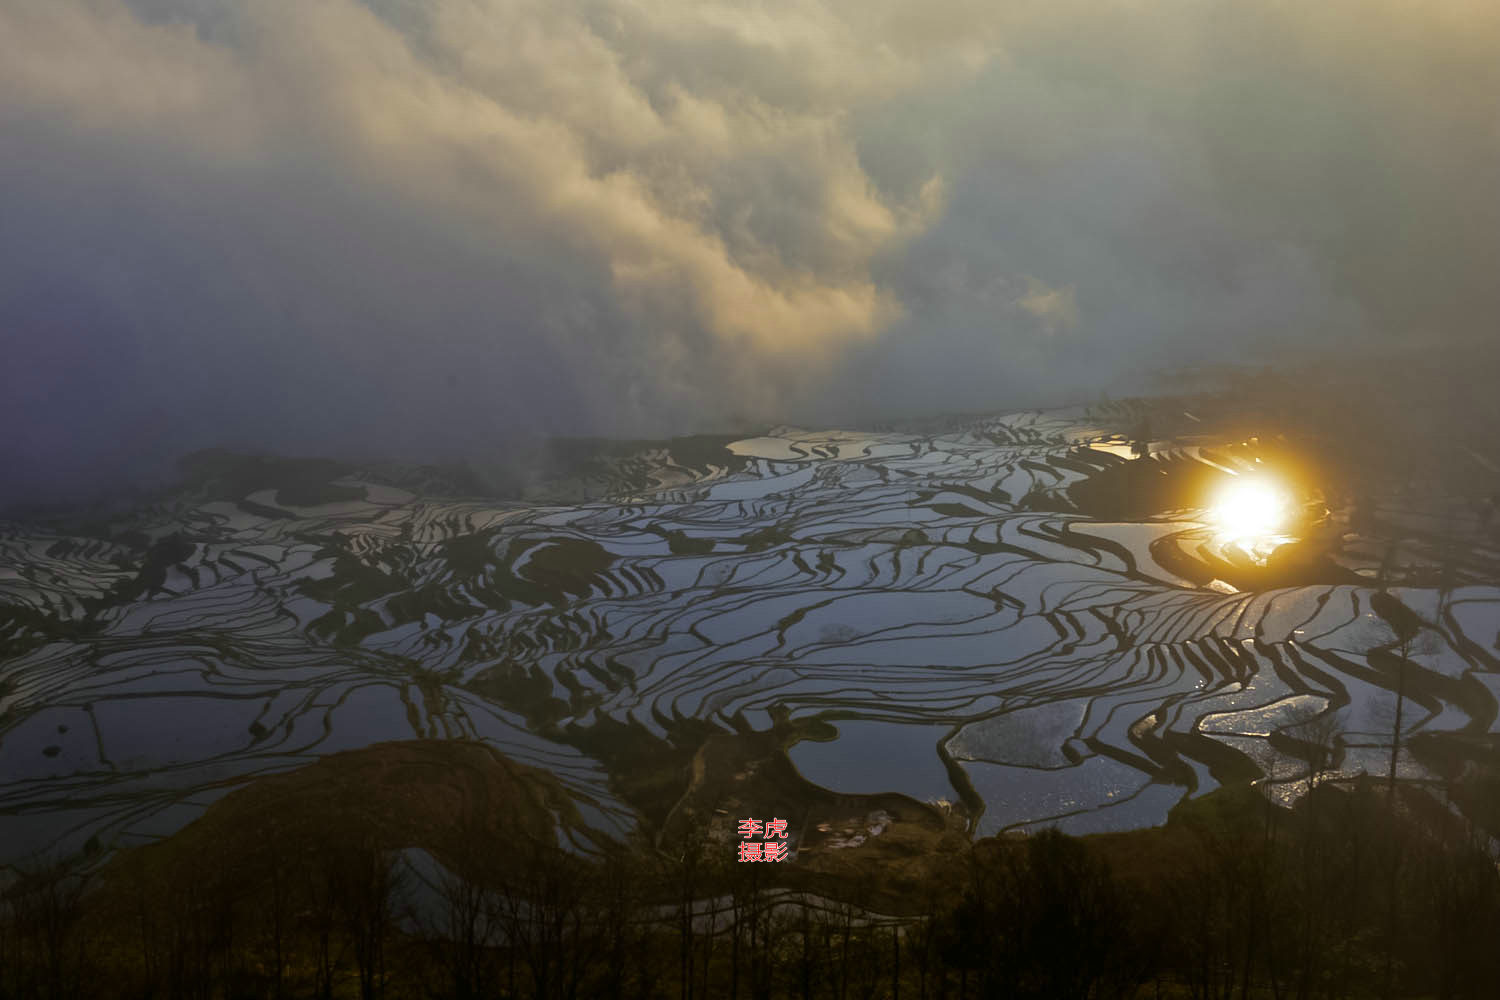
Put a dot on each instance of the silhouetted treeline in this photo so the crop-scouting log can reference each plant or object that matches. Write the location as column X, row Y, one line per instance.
column 1348, row 895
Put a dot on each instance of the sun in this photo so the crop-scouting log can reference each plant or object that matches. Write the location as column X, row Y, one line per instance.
column 1250, row 507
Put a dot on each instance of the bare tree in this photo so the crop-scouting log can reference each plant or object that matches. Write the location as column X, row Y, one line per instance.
column 688, row 868
column 546, row 918
column 1318, row 740
column 46, row 904
column 369, row 888
column 468, row 932
column 321, row 922
column 1401, row 663
column 275, row 910
column 618, row 897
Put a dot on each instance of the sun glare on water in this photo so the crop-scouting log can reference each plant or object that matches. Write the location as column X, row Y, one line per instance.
column 1248, row 507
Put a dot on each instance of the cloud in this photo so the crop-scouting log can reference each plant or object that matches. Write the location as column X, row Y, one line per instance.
column 431, row 227
column 1055, row 308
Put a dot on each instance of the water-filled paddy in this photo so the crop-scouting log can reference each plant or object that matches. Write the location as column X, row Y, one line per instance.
column 891, row 579
column 870, row 757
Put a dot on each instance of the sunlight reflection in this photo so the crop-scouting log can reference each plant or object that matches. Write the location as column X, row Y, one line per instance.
column 1249, row 507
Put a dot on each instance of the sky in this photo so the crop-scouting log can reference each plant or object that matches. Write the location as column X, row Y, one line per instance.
column 429, row 229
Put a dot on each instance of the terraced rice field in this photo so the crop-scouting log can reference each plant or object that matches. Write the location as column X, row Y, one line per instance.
column 936, row 596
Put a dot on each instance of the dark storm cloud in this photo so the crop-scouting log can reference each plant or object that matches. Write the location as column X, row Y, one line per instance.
column 433, row 228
